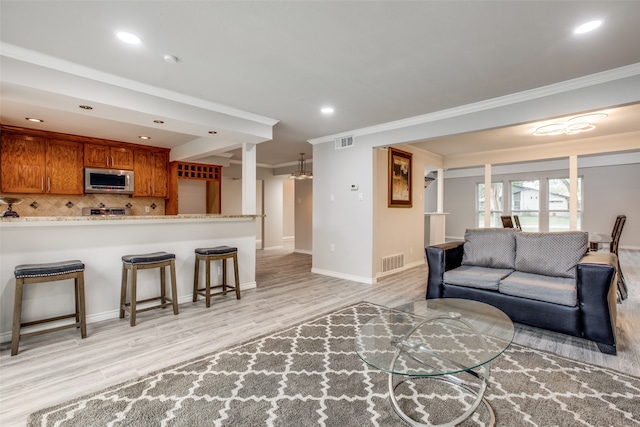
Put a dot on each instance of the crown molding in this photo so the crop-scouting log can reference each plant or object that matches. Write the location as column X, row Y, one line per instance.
column 36, row 58
column 502, row 101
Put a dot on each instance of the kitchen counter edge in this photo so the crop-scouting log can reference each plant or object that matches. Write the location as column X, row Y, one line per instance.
column 129, row 219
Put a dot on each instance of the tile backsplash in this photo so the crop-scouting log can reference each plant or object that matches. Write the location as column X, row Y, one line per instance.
column 48, row 205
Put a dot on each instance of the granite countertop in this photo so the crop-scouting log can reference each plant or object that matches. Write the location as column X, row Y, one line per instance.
column 123, row 218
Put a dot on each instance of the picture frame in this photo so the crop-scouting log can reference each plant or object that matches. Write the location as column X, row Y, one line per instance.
column 400, row 183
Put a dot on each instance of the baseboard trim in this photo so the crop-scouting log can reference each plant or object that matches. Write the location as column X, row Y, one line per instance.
column 350, row 277
column 303, row 251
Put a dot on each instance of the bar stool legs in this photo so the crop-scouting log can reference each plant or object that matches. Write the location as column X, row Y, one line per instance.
column 39, row 273
column 218, row 253
column 141, row 262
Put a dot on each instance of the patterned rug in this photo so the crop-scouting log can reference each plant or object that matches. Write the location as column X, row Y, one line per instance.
column 310, row 375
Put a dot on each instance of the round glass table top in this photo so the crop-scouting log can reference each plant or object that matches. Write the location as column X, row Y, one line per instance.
column 434, row 337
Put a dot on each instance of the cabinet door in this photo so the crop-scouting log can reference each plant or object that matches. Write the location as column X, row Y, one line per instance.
column 121, row 158
column 160, row 166
column 64, row 167
column 143, row 173
column 96, row 155
column 106, row 156
column 23, row 164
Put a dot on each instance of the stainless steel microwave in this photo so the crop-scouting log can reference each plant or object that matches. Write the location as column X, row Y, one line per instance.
column 108, row 181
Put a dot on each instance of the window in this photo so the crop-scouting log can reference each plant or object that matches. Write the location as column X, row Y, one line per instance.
column 525, row 202
column 497, row 204
column 558, row 197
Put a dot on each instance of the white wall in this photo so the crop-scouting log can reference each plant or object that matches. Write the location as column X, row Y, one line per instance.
column 274, row 199
column 272, row 205
column 303, row 228
column 288, row 209
column 340, row 219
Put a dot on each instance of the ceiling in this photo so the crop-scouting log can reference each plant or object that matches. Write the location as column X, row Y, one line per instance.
column 244, row 67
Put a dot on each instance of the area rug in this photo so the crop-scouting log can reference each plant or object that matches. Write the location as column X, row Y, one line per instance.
column 310, row 375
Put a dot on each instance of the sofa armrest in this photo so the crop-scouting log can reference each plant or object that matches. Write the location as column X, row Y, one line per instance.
column 441, row 258
column 596, row 274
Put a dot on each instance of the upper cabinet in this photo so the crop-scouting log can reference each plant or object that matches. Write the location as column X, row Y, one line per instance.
column 150, row 168
column 36, row 161
column 107, row 156
column 34, row 164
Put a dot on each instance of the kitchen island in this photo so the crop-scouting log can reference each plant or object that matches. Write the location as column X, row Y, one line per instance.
column 100, row 242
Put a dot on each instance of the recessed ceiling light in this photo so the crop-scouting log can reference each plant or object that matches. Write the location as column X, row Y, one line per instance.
column 158, row 122
column 586, row 27
column 170, row 59
column 327, row 110
column 33, row 119
column 128, row 37
column 213, row 132
column 144, row 137
column 86, row 107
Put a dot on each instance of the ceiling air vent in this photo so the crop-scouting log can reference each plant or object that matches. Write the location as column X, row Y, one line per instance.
column 344, row 142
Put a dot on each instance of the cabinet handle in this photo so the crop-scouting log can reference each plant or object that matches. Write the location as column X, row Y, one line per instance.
column 112, row 162
column 107, row 160
column 149, row 192
column 42, row 184
column 48, row 184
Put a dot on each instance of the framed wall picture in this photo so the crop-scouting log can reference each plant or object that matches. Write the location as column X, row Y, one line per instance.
column 399, row 179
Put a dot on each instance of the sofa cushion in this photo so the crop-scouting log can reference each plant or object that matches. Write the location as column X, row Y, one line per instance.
column 490, row 247
column 556, row 290
column 476, row 277
column 550, row 254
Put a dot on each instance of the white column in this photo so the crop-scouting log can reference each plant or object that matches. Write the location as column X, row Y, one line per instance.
column 248, row 179
column 487, row 195
column 440, row 196
column 573, row 193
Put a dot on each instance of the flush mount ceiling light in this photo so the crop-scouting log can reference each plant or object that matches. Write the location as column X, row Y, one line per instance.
column 570, row 126
column 128, row 37
column 158, row 122
column 86, row 107
column 213, row 132
column 301, row 173
column 326, row 110
column 33, row 119
column 144, row 137
column 587, row 27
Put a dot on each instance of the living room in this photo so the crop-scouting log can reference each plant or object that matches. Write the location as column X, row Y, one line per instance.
column 349, row 223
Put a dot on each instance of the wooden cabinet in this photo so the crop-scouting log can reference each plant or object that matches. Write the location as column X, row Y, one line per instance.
column 106, row 156
column 150, row 169
column 212, row 174
column 34, row 164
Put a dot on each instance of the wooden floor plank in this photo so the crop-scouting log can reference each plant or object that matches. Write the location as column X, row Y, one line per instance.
column 57, row 367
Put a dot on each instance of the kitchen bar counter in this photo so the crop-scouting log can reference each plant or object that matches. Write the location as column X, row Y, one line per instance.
column 100, row 242
column 17, row 222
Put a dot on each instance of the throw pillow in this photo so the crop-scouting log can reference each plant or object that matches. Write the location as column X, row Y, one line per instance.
column 551, row 254
column 490, row 247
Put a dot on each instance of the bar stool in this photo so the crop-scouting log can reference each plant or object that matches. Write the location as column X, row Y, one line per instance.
column 38, row 273
column 142, row 262
column 218, row 253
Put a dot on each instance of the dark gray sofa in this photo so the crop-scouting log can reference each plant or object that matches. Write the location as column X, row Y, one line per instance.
column 546, row 280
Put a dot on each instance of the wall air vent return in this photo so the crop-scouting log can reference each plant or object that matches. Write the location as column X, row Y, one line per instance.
column 392, row 262
column 344, row 142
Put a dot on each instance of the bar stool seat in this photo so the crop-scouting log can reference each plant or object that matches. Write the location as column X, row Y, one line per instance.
column 39, row 273
column 141, row 262
column 217, row 253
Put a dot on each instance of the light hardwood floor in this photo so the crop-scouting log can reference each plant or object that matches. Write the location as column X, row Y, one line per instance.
column 57, row 367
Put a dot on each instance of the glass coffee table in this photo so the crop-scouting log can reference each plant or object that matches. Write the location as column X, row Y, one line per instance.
column 451, row 341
